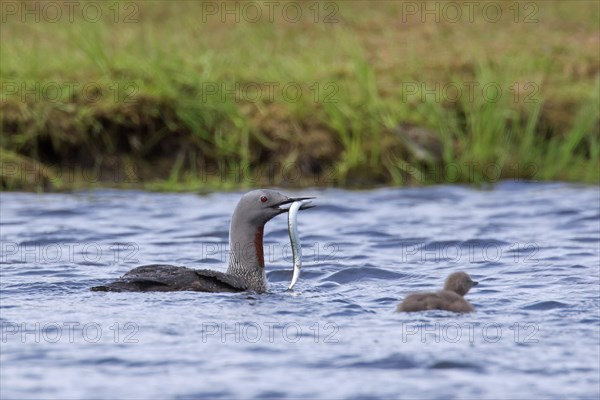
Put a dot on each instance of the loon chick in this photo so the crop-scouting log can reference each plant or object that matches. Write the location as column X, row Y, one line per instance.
column 450, row 299
column 246, row 269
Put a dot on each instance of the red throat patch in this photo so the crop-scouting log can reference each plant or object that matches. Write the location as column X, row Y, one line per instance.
column 258, row 245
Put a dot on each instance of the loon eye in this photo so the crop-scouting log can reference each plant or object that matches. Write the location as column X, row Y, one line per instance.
column 263, row 199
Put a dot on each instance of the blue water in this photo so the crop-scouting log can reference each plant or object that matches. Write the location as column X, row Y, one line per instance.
column 536, row 332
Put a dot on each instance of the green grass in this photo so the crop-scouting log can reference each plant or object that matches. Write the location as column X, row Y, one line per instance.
column 367, row 114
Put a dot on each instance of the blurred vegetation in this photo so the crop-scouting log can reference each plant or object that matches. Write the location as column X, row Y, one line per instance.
column 176, row 96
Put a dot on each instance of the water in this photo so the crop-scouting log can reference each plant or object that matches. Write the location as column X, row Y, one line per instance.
column 533, row 247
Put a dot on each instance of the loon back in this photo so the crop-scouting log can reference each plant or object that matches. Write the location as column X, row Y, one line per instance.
column 441, row 300
column 168, row 278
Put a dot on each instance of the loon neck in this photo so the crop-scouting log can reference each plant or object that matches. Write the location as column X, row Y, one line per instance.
column 246, row 257
column 258, row 246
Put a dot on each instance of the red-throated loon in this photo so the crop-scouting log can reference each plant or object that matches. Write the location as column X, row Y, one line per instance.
column 451, row 298
column 246, row 265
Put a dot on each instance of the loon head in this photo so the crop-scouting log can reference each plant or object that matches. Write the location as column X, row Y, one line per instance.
column 258, row 207
column 459, row 282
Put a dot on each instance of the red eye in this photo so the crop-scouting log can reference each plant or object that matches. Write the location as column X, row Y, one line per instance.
column 263, row 199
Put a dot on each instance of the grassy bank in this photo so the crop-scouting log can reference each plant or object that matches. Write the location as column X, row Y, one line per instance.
column 180, row 95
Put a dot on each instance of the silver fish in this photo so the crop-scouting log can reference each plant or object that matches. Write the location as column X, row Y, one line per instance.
column 294, row 240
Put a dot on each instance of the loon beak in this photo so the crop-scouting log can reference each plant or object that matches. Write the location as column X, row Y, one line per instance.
column 475, row 283
column 290, row 200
